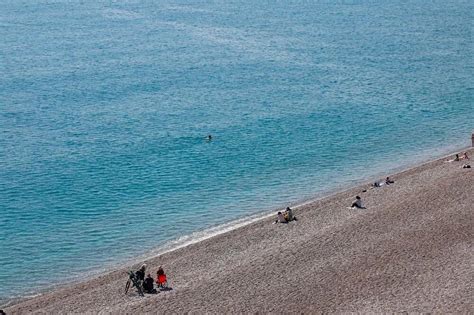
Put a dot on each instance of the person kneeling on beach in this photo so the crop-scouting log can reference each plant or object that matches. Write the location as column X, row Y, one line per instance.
column 280, row 218
column 148, row 285
column 357, row 203
column 289, row 215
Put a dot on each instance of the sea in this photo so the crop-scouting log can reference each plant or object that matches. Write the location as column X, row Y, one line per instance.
column 106, row 106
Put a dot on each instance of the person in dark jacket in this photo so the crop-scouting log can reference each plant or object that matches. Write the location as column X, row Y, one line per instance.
column 148, row 285
column 140, row 273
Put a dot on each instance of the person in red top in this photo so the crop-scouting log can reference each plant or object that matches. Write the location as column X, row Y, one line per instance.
column 161, row 278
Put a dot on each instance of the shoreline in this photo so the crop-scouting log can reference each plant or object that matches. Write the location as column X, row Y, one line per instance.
column 205, row 233
column 224, row 230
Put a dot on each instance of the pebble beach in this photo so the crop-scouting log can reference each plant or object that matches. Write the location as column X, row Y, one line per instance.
column 410, row 250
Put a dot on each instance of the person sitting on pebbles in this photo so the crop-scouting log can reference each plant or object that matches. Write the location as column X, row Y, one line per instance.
column 161, row 279
column 285, row 216
column 289, row 215
column 148, row 285
column 357, row 203
column 280, row 218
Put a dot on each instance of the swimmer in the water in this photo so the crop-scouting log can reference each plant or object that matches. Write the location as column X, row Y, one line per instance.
column 209, row 138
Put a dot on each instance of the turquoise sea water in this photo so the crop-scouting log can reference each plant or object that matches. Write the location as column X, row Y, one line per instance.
column 104, row 107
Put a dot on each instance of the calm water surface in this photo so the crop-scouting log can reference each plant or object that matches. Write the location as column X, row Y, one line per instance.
column 104, row 107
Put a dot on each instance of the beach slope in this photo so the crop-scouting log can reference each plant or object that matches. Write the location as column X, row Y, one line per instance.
column 410, row 250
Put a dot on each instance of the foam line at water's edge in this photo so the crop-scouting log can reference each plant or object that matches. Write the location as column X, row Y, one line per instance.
column 208, row 233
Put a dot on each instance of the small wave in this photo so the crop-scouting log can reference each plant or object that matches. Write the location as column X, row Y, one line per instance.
column 200, row 236
column 189, row 9
column 120, row 14
column 9, row 301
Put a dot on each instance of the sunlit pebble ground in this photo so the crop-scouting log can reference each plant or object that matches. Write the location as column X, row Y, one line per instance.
column 410, row 250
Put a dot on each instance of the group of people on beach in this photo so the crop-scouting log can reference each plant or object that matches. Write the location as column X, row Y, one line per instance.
column 285, row 216
column 464, row 157
column 458, row 158
column 357, row 203
column 148, row 283
column 387, row 181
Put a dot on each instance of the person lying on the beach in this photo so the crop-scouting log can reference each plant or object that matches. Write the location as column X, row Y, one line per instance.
column 148, row 285
column 388, row 181
column 377, row 184
column 289, row 215
column 456, row 159
column 464, row 157
column 161, row 280
column 280, row 218
column 357, row 203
